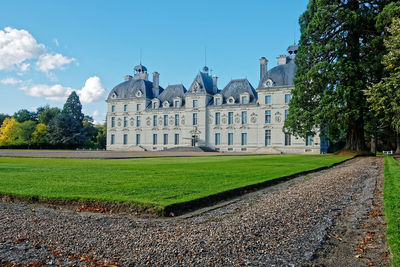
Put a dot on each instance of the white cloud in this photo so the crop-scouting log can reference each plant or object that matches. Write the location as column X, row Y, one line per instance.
column 10, row 81
column 93, row 91
column 17, row 46
column 47, row 62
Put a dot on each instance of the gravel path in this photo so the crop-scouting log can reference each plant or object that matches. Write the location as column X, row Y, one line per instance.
column 287, row 224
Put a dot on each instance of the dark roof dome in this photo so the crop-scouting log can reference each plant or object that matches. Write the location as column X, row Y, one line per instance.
column 132, row 88
column 140, row 68
column 293, row 49
column 279, row 76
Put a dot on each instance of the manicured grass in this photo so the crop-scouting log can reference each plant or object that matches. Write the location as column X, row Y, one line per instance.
column 155, row 181
column 391, row 197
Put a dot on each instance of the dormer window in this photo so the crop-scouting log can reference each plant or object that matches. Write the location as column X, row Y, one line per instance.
column 154, row 103
column 177, row 102
column 138, row 94
column 244, row 98
column 231, row 100
column 218, row 99
column 269, row 83
column 165, row 104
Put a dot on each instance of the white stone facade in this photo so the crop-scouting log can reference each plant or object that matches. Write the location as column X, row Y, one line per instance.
column 235, row 119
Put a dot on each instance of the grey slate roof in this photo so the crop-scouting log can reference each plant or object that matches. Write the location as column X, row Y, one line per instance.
column 204, row 81
column 281, row 76
column 128, row 89
column 172, row 91
column 236, row 87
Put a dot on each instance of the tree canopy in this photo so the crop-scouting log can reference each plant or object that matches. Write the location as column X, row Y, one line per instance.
column 337, row 59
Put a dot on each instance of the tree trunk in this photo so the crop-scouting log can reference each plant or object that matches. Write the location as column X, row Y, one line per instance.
column 355, row 136
column 397, row 143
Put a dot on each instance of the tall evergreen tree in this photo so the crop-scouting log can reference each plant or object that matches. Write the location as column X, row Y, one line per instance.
column 385, row 95
column 335, row 65
column 73, row 106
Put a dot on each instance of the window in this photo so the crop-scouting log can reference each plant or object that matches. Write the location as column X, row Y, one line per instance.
column 112, row 108
column 125, row 108
column 194, row 118
column 286, row 113
column 154, row 105
column 244, row 139
column 165, row 120
column 125, row 139
column 176, row 104
column 112, row 122
column 268, row 116
column 287, row 98
column 112, row 139
column 230, row 139
column 217, row 139
column 230, row 117
column 138, row 107
column 154, row 139
column 154, row 120
column 244, row 117
column 176, row 139
column 217, row 118
column 309, row 140
column 176, row 119
column 195, row 103
column 267, row 137
column 137, row 121
column 137, row 139
column 268, row 100
column 165, row 139
column 125, row 122
column 217, row 101
column 287, row 139
column 244, row 100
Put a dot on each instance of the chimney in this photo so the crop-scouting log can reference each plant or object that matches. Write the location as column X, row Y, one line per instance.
column 215, row 87
column 128, row 78
column 263, row 67
column 156, row 84
column 282, row 60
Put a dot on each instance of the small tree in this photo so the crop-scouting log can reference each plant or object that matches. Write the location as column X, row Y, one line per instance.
column 384, row 96
column 24, row 133
column 8, row 132
column 39, row 136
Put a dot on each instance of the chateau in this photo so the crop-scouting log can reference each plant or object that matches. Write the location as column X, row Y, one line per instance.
column 142, row 115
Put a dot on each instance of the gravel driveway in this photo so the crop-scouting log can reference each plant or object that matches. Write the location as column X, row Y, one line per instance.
column 288, row 224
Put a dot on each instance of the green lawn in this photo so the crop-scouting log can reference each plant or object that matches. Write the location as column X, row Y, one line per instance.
column 155, row 181
column 391, row 197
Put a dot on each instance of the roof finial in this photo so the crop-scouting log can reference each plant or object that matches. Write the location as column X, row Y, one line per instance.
column 205, row 55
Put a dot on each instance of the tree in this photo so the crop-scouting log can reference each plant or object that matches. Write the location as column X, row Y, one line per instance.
column 3, row 117
column 91, row 131
column 8, row 132
column 24, row 133
column 66, row 129
column 101, row 137
column 46, row 114
column 66, row 132
column 25, row 115
column 73, row 107
column 384, row 96
column 39, row 136
column 335, row 66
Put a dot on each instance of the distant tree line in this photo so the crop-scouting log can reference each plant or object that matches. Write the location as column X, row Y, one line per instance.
column 51, row 127
column 347, row 84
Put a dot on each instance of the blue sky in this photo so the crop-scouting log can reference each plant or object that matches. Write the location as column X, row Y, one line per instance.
column 48, row 48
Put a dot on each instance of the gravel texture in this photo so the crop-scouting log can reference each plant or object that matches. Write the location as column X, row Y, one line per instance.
column 287, row 224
